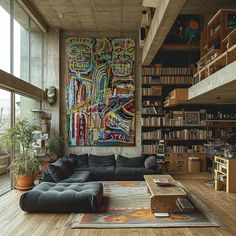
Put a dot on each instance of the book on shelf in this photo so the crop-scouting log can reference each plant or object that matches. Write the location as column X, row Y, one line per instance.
column 149, row 149
column 158, row 70
column 150, row 110
column 152, row 91
column 152, row 135
column 151, row 103
column 151, row 121
column 167, row 79
column 187, row 134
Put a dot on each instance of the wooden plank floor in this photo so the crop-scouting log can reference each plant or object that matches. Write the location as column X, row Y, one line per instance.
column 13, row 221
column 5, row 183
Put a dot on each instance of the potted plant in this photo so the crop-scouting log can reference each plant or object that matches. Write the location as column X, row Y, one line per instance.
column 55, row 147
column 25, row 166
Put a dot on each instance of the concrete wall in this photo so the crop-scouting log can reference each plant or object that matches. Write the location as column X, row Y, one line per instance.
column 126, row 151
column 52, row 74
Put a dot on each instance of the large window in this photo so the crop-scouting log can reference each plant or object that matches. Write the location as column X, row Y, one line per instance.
column 26, row 60
column 5, row 123
column 5, row 35
column 23, row 109
column 21, row 43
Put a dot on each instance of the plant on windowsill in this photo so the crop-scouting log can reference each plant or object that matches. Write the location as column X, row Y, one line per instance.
column 25, row 166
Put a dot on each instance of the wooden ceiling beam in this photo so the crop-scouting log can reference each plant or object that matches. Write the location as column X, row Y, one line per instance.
column 163, row 19
column 34, row 14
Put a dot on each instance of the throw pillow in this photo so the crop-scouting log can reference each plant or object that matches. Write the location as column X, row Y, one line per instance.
column 129, row 162
column 150, row 163
column 81, row 160
column 61, row 169
column 95, row 160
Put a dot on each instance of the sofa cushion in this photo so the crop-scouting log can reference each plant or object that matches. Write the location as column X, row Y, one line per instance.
column 47, row 177
column 132, row 173
column 77, row 177
column 129, row 162
column 98, row 172
column 63, row 198
column 95, row 160
column 150, row 163
column 81, row 160
column 61, row 169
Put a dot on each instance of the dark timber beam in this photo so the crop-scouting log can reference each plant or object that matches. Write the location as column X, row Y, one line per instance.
column 17, row 85
column 164, row 17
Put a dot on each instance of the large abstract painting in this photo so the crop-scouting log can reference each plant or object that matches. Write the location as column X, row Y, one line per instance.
column 100, row 91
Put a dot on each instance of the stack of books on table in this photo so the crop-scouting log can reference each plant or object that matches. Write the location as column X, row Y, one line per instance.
column 163, row 182
column 184, row 204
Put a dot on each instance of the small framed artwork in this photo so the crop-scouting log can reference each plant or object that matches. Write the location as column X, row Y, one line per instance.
column 192, row 118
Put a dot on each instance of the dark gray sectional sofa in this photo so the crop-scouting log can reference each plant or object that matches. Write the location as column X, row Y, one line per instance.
column 83, row 168
column 66, row 185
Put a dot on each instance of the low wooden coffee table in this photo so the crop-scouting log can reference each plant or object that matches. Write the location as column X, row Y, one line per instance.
column 163, row 198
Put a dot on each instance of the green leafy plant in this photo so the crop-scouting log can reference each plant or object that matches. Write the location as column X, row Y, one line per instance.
column 25, row 165
column 21, row 137
column 56, row 145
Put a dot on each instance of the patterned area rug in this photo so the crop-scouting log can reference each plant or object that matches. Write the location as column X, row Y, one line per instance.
column 126, row 205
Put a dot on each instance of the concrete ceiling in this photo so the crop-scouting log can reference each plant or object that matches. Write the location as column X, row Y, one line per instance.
column 110, row 15
column 91, row 15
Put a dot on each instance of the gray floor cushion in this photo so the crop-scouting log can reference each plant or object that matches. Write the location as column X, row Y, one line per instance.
column 63, row 197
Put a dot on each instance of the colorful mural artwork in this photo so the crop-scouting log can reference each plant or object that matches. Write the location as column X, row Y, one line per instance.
column 100, row 91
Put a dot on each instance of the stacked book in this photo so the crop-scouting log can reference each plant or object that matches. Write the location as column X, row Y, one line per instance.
column 184, row 204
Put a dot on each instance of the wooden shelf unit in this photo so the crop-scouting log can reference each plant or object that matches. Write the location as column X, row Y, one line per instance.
column 217, row 45
column 153, row 131
column 225, row 168
column 178, row 162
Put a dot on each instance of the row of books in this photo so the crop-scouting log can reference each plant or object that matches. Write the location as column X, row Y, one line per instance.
column 151, row 121
column 188, row 134
column 150, row 149
column 151, row 103
column 152, row 135
column 221, row 115
column 153, row 91
column 158, row 70
column 151, row 110
column 166, row 121
column 182, row 149
column 167, row 79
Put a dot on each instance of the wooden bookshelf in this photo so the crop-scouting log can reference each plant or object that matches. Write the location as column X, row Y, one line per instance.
column 225, row 174
column 218, row 47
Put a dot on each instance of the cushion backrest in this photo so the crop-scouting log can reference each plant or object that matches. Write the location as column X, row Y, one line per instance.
column 129, row 162
column 95, row 160
column 61, row 169
column 81, row 160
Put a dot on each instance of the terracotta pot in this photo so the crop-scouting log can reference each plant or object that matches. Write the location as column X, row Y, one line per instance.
column 24, row 182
